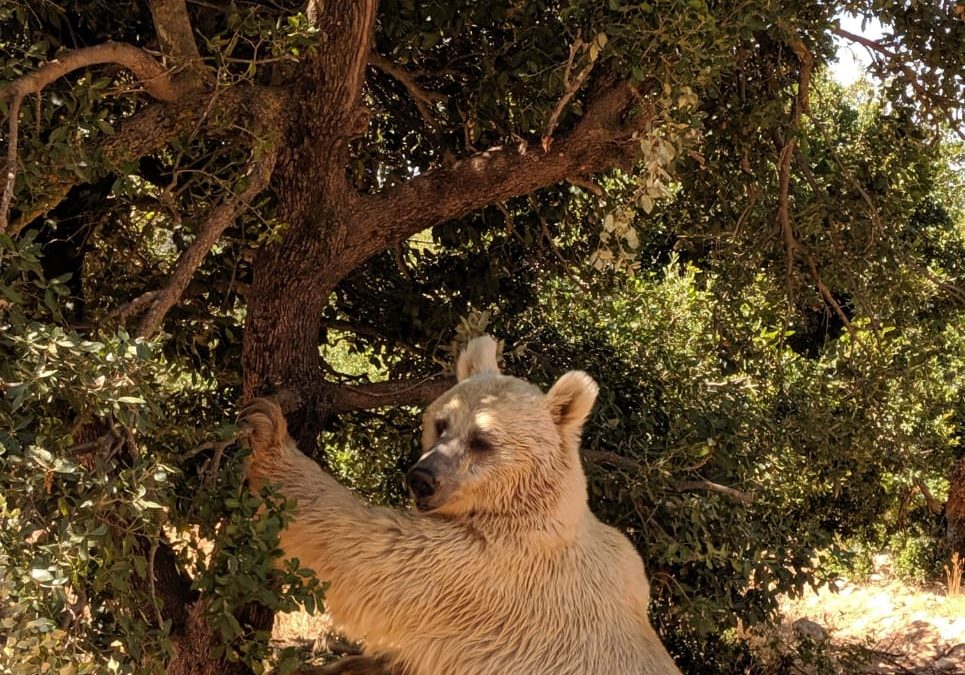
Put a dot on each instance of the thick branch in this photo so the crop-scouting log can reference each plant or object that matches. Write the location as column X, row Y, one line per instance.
column 602, row 140
column 423, row 99
column 345, row 397
column 153, row 75
column 259, row 174
column 174, row 32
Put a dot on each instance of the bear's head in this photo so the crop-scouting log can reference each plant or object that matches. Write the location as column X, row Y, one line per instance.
column 495, row 445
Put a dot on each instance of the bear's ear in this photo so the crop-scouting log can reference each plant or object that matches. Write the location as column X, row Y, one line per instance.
column 478, row 357
column 571, row 399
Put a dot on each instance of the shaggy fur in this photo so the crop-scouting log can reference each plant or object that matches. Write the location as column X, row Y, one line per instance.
column 509, row 573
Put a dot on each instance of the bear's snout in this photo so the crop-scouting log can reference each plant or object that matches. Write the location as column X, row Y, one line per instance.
column 423, row 484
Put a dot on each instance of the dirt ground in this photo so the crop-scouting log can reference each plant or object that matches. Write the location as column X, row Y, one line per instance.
column 875, row 626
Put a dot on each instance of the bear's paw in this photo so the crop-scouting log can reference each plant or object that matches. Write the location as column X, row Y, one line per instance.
column 265, row 423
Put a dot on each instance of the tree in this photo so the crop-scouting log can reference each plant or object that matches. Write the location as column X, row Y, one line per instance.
column 241, row 184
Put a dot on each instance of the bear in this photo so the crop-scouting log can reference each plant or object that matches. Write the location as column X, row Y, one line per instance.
column 499, row 567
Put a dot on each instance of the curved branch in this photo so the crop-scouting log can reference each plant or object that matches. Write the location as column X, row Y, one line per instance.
column 927, row 98
column 259, row 175
column 893, row 57
column 155, row 77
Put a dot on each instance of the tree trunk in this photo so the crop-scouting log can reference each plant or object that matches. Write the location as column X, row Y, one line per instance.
column 955, row 510
column 293, row 278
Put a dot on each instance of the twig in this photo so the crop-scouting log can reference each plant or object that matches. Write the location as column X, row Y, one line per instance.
column 151, row 581
column 548, row 236
column 135, row 306
column 11, row 168
column 587, row 185
column 423, row 99
column 927, row 98
column 957, row 294
column 217, row 446
column 691, row 485
column 619, row 461
column 611, row 458
column 570, row 87
column 826, row 294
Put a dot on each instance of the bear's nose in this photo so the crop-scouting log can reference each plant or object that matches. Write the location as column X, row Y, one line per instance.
column 422, row 483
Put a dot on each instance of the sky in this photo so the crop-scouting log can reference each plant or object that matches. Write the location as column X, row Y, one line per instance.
column 852, row 58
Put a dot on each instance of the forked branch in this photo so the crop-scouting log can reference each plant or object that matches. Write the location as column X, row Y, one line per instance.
column 570, row 87
column 601, row 140
column 424, row 100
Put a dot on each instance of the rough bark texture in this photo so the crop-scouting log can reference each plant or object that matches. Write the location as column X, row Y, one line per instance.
column 293, row 278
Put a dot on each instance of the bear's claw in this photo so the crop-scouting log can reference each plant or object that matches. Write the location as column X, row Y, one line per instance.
column 265, row 422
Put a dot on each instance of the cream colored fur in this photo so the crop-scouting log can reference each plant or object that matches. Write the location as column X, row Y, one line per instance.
column 513, row 575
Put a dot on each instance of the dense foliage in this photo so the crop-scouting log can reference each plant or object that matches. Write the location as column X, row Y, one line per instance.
column 768, row 286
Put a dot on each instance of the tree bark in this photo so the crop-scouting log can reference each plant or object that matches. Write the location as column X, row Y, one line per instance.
column 293, row 278
column 955, row 510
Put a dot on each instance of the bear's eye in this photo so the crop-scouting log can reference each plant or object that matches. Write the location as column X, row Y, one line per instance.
column 479, row 443
column 441, row 425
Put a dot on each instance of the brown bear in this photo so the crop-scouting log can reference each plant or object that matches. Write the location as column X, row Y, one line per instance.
column 501, row 567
